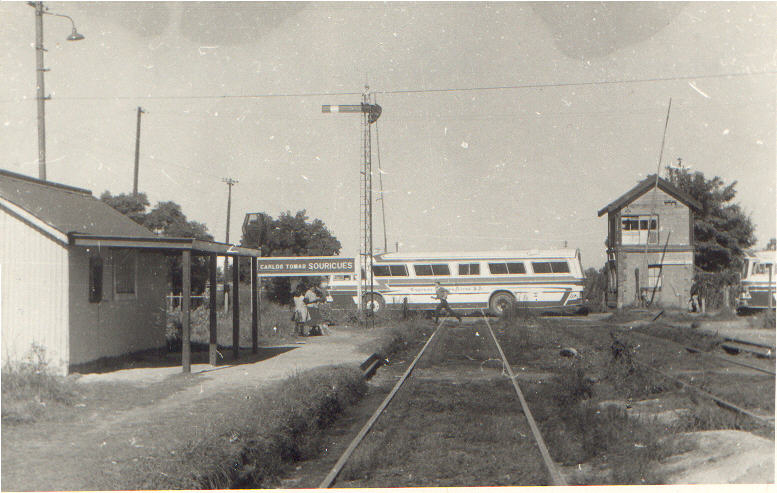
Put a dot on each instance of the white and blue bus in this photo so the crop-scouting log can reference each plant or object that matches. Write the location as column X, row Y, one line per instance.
column 547, row 279
column 758, row 281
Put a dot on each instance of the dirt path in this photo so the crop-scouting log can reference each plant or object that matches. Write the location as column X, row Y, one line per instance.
column 90, row 452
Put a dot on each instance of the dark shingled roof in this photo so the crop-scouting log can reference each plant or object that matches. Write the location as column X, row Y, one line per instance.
column 67, row 209
column 648, row 184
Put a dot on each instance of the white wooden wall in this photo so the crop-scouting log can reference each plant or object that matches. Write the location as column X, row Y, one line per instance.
column 116, row 325
column 33, row 293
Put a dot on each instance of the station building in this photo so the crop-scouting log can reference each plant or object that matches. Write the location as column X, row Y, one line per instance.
column 80, row 281
column 650, row 245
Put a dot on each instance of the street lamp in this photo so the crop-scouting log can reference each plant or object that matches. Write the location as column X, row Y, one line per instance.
column 40, row 10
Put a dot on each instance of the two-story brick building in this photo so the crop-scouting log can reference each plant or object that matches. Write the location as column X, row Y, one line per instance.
column 650, row 245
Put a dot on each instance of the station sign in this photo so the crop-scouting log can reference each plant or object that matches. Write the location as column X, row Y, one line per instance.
column 304, row 266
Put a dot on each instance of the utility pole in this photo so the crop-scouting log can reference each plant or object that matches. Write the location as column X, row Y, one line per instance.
column 40, row 11
column 137, row 153
column 230, row 182
column 41, row 91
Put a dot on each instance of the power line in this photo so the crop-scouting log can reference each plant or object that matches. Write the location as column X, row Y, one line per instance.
column 420, row 91
column 575, row 84
column 218, row 96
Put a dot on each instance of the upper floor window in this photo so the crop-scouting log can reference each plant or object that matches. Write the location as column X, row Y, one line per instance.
column 639, row 230
column 759, row 268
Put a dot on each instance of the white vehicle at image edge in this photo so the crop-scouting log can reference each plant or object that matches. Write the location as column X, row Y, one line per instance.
column 546, row 279
column 759, row 281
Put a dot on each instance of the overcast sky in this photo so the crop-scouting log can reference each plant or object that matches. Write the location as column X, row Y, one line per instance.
column 577, row 118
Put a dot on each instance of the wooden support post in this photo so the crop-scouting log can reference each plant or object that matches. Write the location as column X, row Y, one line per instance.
column 186, row 355
column 235, row 307
column 254, row 308
column 213, row 345
column 769, row 291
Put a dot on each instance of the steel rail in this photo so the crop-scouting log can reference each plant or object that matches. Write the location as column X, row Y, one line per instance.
column 330, row 478
column 701, row 352
column 722, row 402
column 555, row 475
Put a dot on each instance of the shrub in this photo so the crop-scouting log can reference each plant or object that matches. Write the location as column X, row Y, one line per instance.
column 29, row 388
column 261, row 436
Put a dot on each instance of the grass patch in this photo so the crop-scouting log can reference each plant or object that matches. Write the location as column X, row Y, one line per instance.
column 577, row 431
column 450, row 435
column 30, row 391
column 258, row 438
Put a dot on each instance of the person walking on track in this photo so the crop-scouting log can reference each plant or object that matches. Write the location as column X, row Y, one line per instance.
column 441, row 294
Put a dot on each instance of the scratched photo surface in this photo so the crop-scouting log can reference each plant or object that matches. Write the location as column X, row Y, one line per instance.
column 502, row 126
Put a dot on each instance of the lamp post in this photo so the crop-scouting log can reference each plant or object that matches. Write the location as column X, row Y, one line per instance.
column 40, row 10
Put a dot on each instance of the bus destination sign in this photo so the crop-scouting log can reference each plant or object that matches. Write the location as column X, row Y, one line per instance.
column 304, row 266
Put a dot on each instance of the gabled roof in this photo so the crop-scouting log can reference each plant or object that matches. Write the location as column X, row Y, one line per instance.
column 75, row 217
column 645, row 185
column 67, row 209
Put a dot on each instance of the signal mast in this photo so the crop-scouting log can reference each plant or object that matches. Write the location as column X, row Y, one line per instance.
column 370, row 114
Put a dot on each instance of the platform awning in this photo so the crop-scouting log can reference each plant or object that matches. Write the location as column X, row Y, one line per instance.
column 162, row 243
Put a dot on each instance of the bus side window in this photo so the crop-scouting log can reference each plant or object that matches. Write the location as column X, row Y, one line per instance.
column 398, row 270
column 381, row 270
column 516, row 268
column 497, row 268
column 441, row 270
column 469, row 269
column 422, row 269
column 541, row 267
column 559, row 267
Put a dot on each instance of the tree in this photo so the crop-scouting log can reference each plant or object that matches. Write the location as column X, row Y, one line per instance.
column 133, row 206
column 595, row 287
column 166, row 219
column 722, row 231
column 291, row 235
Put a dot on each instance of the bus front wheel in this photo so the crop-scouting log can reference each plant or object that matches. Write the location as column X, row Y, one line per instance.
column 500, row 302
column 374, row 302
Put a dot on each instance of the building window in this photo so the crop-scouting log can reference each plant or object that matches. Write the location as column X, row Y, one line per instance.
column 469, row 269
column 639, row 230
column 654, row 276
column 124, row 271
column 432, row 270
column 95, row 279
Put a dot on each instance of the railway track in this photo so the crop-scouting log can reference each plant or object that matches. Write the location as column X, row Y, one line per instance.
column 439, row 362
column 704, row 366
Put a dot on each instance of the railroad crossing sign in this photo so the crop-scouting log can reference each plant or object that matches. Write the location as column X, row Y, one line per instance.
column 304, row 266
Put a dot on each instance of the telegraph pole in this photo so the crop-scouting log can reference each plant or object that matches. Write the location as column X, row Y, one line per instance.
column 230, row 182
column 41, row 91
column 137, row 153
column 40, row 11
